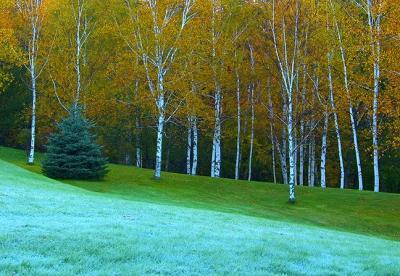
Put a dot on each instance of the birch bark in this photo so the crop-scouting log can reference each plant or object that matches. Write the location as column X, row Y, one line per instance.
column 351, row 110
column 336, row 121
column 32, row 9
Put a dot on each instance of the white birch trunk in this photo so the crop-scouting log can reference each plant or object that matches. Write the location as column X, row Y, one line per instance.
column 216, row 151
column 238, row 121
column 189, row 146
column 283, row 155
column 273, row 154
column 351, row 111
column 311, row 158
column 157, row 58
column 195, row 145
column 309, row 162
column 312, row 165
column 252, row 107
column 137, row 142
column 295, row 155
column 312, row 137
column 336, row 121
column 251, row 131
column 375, row 28
column 78, row 60
column 301, row 155
column 375, row 126
column 31, row 158
column 139, row 162
column 81, row 36
column 288, row 73
column 324, row 148
column 357, row 151
column 292, row 170
column 160, row 134
column 217, row 138
column 33, row 10
column 301, row 146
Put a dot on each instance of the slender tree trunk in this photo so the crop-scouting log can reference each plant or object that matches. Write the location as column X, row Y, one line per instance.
column 33, row 10
column 324, row 149
column 238, row 121
column 313, row 161
column 81, row 36
column 252, row 107
column 138, row 146
column 158, row 57
column 251, row 131
column 357, row 151
column 195, row 145
column 31, row 158
column 189, row 146
column 309, row 162
column 292, row 170
column 283, row 148
column 311, row 158
column 301, row 155
column 78, row 66
column 160, row 135
column 336, row 120
column 351, row 111
column 375, row 28
column 295, row 155
column 301, row 146
column 288, row 76
column 283, row 157
column 375, row 126
column 216, row 151
column 216, row 158
column 273, row 154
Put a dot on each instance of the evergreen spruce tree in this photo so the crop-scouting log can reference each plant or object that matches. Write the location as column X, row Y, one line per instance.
column 72, row 152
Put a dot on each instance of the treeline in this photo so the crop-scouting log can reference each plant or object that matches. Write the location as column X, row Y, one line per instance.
column 297, row 92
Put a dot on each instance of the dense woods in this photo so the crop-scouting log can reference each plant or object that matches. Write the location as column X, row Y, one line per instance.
column 287, row 91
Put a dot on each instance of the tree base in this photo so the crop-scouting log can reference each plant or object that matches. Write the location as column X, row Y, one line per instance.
column 292, row 200
column 157, row 178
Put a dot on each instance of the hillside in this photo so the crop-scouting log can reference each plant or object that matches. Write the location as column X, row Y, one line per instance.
column 48, row 227
column 349, row 210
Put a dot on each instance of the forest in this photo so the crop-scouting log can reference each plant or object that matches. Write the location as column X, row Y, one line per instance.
column 300, row 92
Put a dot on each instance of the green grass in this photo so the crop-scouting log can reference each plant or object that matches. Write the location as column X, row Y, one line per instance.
column 130, row 223
column 349, row 210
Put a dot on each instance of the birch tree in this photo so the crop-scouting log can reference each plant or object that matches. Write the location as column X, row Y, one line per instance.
column 350, row 102
column 216, row 141
column 373, row 10
column 32, row 13
column 324, row 145
column 252, row 87
column 192, row 145
column 158, row 53
column 238, row 121
column 287, row 66
column 336, row 121
column 82, row 33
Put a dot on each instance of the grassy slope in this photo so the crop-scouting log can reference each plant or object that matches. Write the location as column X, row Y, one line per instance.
column 48, row 228
column 359, row 212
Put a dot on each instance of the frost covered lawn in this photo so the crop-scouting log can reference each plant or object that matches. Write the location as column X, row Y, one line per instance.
column 349, row 210
column 130, row 223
